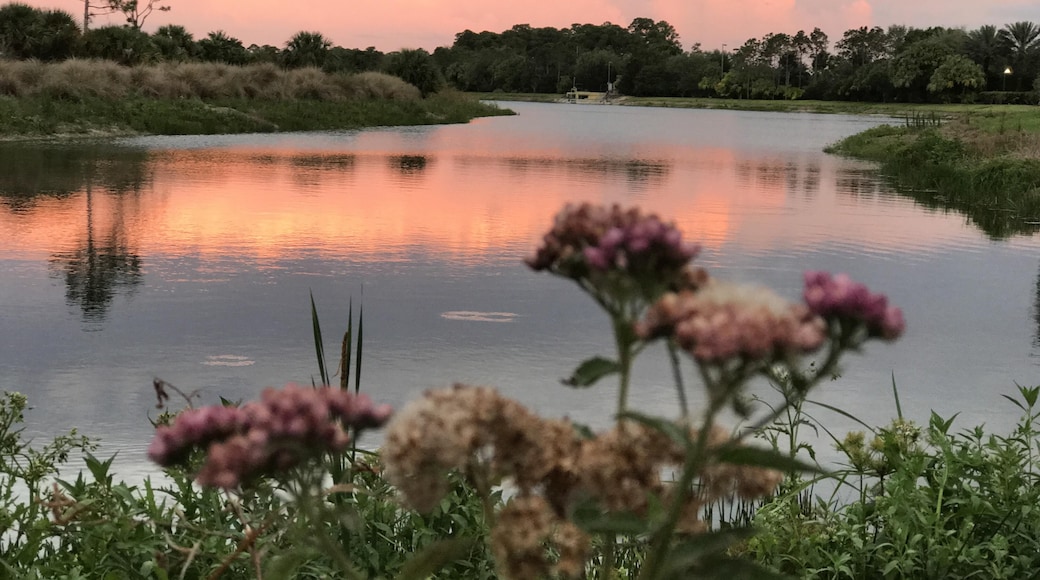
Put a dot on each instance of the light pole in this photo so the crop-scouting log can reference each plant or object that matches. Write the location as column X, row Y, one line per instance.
column 608, row 77
column 722, row 59
column 1007, row 73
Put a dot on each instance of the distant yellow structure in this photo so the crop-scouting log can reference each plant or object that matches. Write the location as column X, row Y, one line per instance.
column 574, row 96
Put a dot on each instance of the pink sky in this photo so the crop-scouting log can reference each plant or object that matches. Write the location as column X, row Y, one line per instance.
column 393, row 24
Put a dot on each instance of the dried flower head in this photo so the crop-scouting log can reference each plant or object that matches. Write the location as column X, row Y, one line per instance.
column 527, row 528
column 447, row 428
column 838, row 296
column 284, row 428
column 724, row 321
column 522, row 530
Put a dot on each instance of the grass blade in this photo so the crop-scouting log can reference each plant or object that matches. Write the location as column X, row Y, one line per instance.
column 895, row 393
column 319, row 348
column 360, row 341
column 344, row 356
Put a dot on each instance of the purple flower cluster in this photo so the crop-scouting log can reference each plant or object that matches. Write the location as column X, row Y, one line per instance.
column 838, row 296
column 282, row 429
column 588, row 239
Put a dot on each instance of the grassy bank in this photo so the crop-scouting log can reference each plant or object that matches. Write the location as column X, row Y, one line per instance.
column 984, row 163
column 103, row 98
column 777, row 106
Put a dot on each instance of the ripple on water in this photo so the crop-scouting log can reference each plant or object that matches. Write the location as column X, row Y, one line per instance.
column 474, row 316
column 228, row 360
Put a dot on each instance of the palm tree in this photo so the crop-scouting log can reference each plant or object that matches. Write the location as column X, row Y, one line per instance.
column 218, row 46
column 175, row 43
column 306, row 49
column 986, row 48
column 19, row 24
column 1021, row 38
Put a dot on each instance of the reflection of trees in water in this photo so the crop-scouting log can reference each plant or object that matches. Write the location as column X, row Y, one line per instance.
column 789, row 175
column 858, row 183
column 408, row 164
column 103, row 263
column 103, row 266
column 327, row 162
column 310, row 171
column 645, row 172
column 28, row 172
column 996, row 223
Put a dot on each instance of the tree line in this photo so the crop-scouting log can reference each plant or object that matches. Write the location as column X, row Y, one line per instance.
column 646, row 58
column 899, row 63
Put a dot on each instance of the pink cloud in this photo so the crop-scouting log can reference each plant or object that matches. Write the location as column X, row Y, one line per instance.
column 392, row 24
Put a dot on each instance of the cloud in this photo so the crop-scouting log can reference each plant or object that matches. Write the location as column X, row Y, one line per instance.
column 392, row 24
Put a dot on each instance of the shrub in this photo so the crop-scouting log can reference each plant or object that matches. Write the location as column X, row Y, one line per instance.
column 931, row 503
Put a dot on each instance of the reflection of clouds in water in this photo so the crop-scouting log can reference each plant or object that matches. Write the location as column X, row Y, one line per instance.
column 472, row 316
column 228, row 360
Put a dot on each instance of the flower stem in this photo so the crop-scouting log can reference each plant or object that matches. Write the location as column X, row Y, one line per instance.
column 625, row 338
column 684, row 406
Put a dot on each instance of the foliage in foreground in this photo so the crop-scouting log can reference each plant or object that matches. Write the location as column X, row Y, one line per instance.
column 928, row 503
column 519, row 495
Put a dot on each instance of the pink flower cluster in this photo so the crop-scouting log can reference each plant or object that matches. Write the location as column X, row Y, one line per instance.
column 588, row 238
column 837, row 296
column 282, row 429
column 722, row 322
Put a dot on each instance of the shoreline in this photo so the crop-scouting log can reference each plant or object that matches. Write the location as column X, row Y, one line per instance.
column 980, row 160
column 41, row 118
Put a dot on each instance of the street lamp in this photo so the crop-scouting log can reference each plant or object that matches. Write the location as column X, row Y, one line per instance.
column 608, row 77
column 1007, row 73
column 722, row 59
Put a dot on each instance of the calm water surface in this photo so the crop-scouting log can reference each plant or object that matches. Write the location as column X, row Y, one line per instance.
column 191, row 259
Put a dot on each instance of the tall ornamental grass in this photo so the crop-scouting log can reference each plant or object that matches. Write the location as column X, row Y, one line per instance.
column 78, row 79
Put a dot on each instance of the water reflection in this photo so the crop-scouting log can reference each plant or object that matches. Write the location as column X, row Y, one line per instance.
column 998, row 224
column 859, row 183
column 220, row 241
column 102, row 267
column 101, row 263
column 31, row 170
column 793, row 176
column 408, row 164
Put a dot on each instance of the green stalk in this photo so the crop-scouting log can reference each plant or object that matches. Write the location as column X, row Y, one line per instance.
column 625, row 338
column 684, row 406
column 662, row 537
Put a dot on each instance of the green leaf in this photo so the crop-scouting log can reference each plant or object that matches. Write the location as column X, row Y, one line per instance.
column 591, row 371
column 360, row 342
column 284, row 565
column 436, row 556
column 680, row 436
column 760, row 457
column 99, row 469
column 895, row 393
column 344, row 353
column 590, row 517
column 319, row 348
column 703, row 554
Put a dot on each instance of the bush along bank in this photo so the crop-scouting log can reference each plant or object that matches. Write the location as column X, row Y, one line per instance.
column 976, row 166
column 105, row 98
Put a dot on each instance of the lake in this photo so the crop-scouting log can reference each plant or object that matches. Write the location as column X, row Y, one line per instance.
column 191, row 259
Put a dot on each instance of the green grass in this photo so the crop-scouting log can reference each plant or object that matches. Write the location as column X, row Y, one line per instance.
column 991, row 176
column 42, row 116
column 98, row 98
